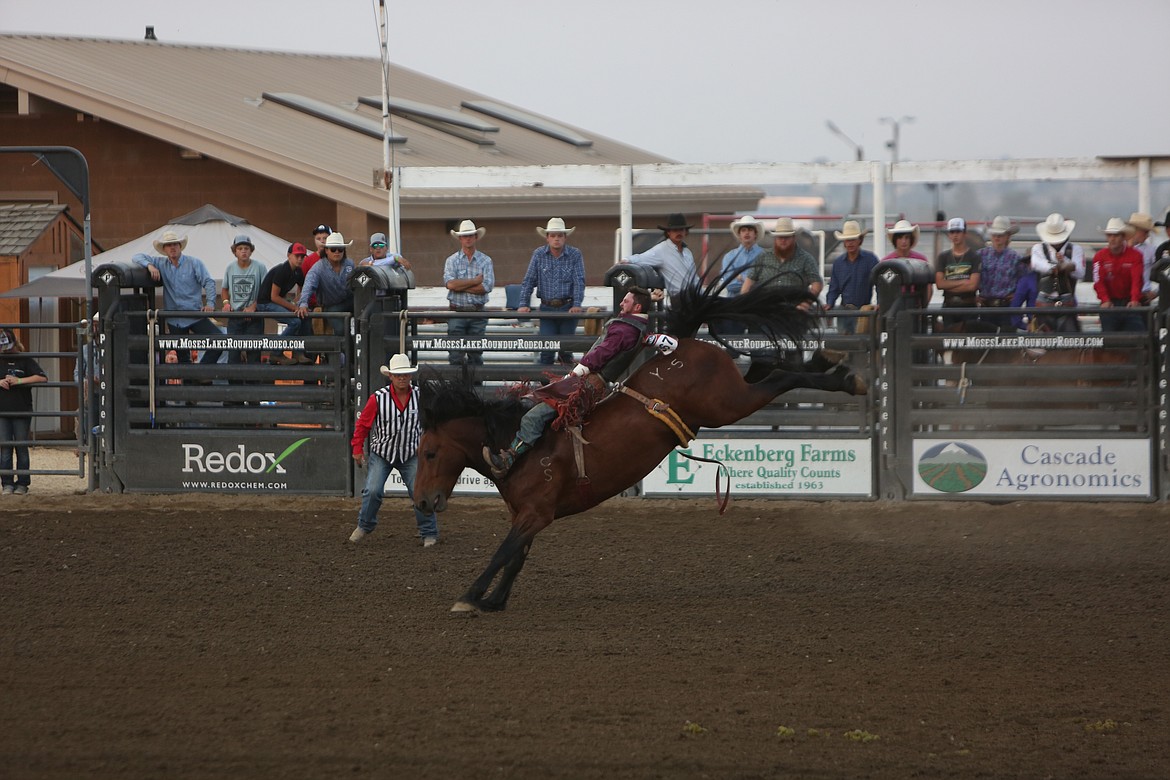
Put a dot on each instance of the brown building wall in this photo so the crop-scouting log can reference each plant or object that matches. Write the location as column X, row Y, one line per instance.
column 138, row 183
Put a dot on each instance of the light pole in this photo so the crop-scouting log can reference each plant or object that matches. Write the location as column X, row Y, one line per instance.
column 859, row 155
column 894, row 144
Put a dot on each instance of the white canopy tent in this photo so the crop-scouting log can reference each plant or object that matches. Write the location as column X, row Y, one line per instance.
column 209, row 233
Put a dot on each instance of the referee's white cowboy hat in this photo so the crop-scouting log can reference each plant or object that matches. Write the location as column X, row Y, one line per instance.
column 399, row 364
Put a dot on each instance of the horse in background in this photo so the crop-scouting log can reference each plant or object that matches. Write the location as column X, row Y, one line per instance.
column 626, row 435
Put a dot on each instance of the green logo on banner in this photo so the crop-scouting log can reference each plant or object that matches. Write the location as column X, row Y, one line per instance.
column 288, row 451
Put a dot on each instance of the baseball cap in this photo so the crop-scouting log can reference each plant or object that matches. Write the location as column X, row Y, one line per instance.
column 322, row 229
column 957, row 223
column 297, row 249
column 378, row 238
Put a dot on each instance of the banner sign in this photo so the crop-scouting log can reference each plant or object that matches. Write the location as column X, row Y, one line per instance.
column 196, row 461
column 1033, row 468
column 769, row 467
column 469, row 482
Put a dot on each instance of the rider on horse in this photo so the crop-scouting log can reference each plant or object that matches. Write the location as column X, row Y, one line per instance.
column 570, row 399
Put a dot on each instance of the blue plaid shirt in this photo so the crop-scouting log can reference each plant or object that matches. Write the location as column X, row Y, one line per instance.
column 555, row 277
column 331, row 287
column 1000, row 274
column 459, row 267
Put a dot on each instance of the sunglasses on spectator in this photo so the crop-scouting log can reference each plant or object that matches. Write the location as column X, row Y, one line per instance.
column 377, row 246
column 334, row 249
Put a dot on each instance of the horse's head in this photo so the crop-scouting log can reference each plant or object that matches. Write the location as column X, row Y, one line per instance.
column 443, row 453
column 457, row 424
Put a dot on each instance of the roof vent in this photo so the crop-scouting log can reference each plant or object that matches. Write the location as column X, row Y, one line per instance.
column 150, row 33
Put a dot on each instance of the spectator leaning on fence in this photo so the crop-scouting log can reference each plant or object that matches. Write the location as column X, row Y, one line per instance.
column 1059, row 265
column 557, row 274
column 1000, row 271
column 787, row 265
column 186, row 287
column 329, row 283
column 242, row 281
column 281, row 280
column 671, row 256
column 469, row 278
column 320, row 234
column 957, row 272
column 1141, row 239
column 851, row 280
column 17, row 373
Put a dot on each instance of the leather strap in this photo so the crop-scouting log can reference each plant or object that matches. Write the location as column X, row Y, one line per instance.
column 662, row 411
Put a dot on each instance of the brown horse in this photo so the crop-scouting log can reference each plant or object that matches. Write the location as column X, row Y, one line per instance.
column 699, row 383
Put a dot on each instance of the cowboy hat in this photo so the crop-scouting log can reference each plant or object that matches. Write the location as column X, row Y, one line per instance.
column 243, row 239
column 903, row 227
column 399, row 364
column 783, row 227
column 748, row 221
column 675, row 222
column 1055, row 229
column 169, row 237
column 1117, row 225
column 556, row 225
column 468, row 228
column 336, row 241
column 1001, row 226
column 850, row 230
column 1141, row 221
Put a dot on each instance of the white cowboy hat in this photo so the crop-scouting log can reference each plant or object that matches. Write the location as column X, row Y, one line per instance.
column 1001, row 226
column 1056, row 229
column 784, row 227
column 903, row 227
column 1117, row 225
column 556, row 225
column 399, row 364
column 169, row 237
column 468, row 228
column 748, row 221
column 1141, row 221
column 850, row 230
column 336, row 240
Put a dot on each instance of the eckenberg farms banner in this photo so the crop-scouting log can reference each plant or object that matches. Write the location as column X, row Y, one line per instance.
column 768, row 467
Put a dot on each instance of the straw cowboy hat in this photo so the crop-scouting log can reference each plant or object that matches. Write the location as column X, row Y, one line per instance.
column 675, row 222
column 850, row 230
column 556, row 225
column 903, row 227
column 468, row 228
column 169, row 237
column 399, row 364
column 1056, row 229
column 1002, row 226
column 336, row 240
column 748, row 221
column 783, row 227
column 1141, row 221
column 1117, row 225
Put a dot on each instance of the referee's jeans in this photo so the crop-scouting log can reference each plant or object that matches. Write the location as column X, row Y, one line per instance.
column 377, row 472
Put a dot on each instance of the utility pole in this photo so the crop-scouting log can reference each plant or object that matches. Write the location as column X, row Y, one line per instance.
column 859, row 155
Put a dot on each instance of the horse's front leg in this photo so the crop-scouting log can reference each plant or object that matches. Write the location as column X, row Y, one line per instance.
column 509, row 557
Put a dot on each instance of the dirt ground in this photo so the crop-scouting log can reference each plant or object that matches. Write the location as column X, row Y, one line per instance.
column 217, row 636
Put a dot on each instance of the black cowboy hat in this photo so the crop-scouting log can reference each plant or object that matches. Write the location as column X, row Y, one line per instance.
column 675, row 222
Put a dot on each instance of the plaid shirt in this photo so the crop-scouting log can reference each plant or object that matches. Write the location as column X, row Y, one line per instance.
column 852, row 282
column 555, row 277
column 459, row 267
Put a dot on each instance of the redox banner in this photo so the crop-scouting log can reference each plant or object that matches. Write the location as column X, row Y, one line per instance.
column 194, row 461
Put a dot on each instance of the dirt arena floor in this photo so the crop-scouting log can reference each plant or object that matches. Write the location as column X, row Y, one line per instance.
column 220, row 636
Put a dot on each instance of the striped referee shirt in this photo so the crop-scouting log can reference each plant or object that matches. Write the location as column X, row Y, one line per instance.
column 393, row 432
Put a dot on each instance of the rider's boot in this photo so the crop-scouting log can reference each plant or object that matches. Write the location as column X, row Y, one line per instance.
column 501, row 462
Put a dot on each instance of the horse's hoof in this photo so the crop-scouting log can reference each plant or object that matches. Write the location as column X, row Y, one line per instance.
column 464, row 609
column 834, row 357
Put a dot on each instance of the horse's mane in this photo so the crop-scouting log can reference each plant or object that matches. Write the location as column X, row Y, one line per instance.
column 766, row 308
column 442, row 400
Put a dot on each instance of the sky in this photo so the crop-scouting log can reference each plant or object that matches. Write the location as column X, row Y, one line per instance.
column 752, row 81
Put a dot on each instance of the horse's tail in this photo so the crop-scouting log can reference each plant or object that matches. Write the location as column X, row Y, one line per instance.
column 765, row 308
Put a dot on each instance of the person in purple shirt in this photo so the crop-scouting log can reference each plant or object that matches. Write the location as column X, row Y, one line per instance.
column 575, row 395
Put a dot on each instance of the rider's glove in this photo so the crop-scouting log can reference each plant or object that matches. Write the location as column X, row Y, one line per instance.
column 580, row 370
column 663, row 343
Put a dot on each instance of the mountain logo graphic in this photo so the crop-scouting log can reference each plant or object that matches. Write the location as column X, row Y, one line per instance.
column 952, row 467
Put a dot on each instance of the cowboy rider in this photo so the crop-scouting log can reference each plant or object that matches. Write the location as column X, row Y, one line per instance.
column 580, row 390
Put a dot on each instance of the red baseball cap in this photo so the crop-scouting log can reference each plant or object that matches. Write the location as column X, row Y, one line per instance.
column 297, row 249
